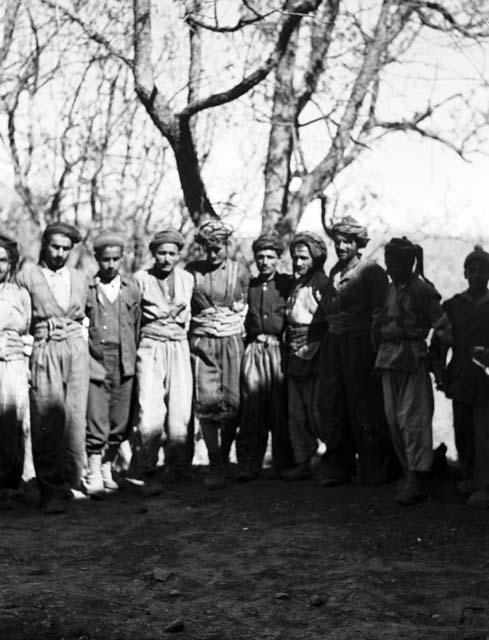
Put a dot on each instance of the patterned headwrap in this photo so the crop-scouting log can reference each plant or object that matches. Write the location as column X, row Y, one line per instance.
column 169, row 235
column 268, row 240
column 478, row 253
column 314, row 243
column 349, row 227
column 214, row 232
column 12, row 250
column 63, row 228
column 108, row 239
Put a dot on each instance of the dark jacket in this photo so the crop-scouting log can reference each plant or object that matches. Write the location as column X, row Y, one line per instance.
column 266, row 305
column 129, row 325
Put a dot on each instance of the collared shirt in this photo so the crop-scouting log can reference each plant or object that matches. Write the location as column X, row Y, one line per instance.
column 110, row 289
column 60, row 284
column 267, row 301
column 356, row 295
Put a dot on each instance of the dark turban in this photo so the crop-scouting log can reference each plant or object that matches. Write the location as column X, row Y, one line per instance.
column 351, row 228
column 214, row 232
column 314, row 243
column 166, row 236
column 477, row 254
column 404, row 249
column 108, row 239
column 268, row 241
column 12, row 250
column 63, row 228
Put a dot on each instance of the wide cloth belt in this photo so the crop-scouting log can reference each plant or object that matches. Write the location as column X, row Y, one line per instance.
column 163, row 332
column 57, row 329
column 217, row 322
column 266, row 339
column 13, row 346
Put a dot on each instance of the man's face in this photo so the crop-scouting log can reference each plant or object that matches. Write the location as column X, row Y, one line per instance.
column 215, row 254
column 346, row 247
column 166, row 256
column 4, row 264
column 477, row 275
column 266, row 262
column 399, row 269
column 302, row 261
column 56, row 251
column 109, row 262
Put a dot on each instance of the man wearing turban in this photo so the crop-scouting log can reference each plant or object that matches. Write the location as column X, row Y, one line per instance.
column 466, row 379
column 114, row 312
column 352, row 402
column 306, row 326
column 263, row 391
column 15, row 346
column 216, row 342
column 164, row 374
column 59, row 366
column 411, row 310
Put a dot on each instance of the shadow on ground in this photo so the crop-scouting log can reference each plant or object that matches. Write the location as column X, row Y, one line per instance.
column 264, row 560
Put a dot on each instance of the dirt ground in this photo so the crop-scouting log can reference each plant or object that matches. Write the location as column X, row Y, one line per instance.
column 264, row 560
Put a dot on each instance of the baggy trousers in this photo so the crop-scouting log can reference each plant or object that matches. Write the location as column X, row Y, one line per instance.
column 353, row 410
column 263, row 406
column 109, row 406
column 59, row 390
column 304, row 416
column 164, row 380
column 408, row 399
column 14, row 403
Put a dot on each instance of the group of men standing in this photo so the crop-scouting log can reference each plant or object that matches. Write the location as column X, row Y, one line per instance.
column 342, row 359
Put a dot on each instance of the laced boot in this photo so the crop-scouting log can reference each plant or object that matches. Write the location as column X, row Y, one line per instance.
column 95, row 482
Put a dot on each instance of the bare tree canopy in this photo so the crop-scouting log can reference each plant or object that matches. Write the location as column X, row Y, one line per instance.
column 112, row 111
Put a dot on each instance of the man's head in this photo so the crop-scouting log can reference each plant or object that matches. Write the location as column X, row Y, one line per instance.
column 400, row 256
column 213, row 236
column 476, row 270
column 165, row 247
column 349, row 236
column 267, row 249
column 58, row 240
column 9, row 257
column 108, row 248
column 308, row 252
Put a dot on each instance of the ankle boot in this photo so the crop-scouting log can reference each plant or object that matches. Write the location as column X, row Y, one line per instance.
column 215, row 478
column 109, row 483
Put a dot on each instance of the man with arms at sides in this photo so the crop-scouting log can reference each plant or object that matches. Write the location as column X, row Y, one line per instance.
column 351, row 395
column 59, row 366
column 263, row 390
column 465, row 380
column 15, row 348
column 412, row 308
column 216, row 342
column 306, row 328
column 114, row 311
column 164, row 374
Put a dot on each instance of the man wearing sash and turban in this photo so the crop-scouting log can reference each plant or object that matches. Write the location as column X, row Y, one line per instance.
column 412, row 308
column 59, row 366
column 216, row 342
column 15, row 348
column 114, row 311
column 263, row 391
column 164, row 374
column 306, row 328
column 351, row 396
column 466, row 381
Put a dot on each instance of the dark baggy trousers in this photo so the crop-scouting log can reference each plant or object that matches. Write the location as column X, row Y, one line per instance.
column 263, row 406
column 353, row 412
column 109, row 405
